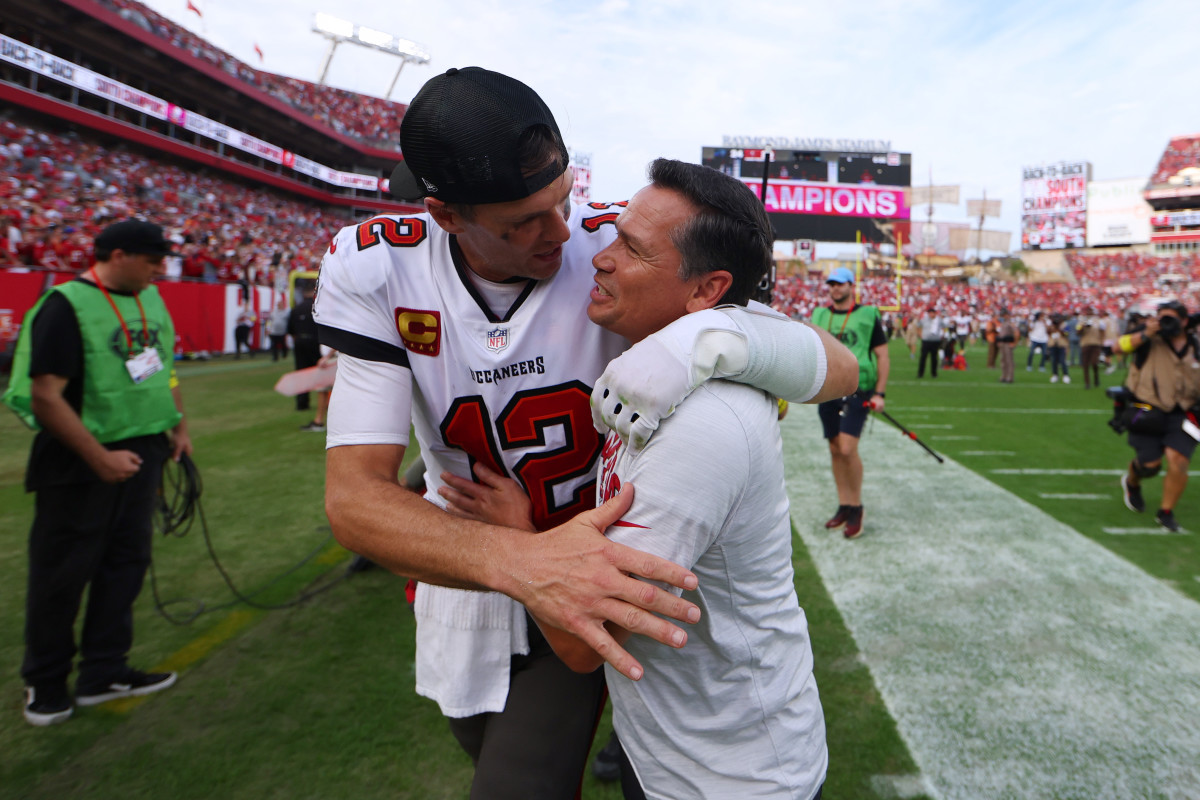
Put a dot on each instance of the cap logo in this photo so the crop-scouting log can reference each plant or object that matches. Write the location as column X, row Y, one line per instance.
column 429, row 187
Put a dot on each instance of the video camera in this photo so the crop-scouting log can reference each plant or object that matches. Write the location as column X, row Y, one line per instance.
column 1121, row 398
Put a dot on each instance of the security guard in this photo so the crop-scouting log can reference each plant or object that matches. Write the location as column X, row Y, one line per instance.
column 1164, row 379
column 93, row 372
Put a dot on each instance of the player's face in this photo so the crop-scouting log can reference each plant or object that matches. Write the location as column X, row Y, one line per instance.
column 520, row 239
column 638, row 289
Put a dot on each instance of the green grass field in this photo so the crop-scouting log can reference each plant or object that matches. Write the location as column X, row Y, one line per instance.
column 316, row 700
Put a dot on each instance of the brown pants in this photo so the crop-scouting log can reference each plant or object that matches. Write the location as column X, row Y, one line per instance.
column 1006, row 362
column 991, row 358
column 1089, row 357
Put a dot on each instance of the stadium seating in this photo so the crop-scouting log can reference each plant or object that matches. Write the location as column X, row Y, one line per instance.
column 371, row 120
column 58, row 190
column 1181, row 152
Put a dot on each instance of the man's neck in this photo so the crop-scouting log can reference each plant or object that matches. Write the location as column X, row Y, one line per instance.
column 843, row 305
column 105, row 273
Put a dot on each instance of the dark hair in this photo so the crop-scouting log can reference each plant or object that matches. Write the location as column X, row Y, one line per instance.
column 731, row 232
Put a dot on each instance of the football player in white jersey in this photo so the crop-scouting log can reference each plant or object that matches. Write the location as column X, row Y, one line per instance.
column 469, row 323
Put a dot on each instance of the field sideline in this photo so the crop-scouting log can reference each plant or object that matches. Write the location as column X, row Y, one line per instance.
column 1027, row 634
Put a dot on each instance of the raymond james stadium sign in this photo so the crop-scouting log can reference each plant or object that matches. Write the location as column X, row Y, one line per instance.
column 827, row 145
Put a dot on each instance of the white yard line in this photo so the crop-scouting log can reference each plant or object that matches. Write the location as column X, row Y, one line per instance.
column 1143, row 531
column 1068, row 496
column 1037, row 471
column 1018, row 657
column 943, row 438
column 987, row 453
column 1022, row 411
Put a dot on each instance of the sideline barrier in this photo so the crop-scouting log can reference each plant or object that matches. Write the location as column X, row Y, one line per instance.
column 204, row 313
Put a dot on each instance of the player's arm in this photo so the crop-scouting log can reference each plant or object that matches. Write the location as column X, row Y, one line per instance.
column 756, row 346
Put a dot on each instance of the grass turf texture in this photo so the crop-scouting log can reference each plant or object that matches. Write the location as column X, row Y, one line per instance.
column 317, row 700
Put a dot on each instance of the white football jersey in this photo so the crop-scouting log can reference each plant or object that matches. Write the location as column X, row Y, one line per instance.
column 509, row 387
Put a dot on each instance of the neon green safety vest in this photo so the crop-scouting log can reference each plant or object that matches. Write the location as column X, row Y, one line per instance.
column 114, row 407
column 854, row 330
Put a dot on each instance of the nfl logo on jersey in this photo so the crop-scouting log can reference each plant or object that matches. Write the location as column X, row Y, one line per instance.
column 497, row 339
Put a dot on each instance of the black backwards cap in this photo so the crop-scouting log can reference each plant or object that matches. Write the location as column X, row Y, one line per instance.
column 461, row 140
column 133, row 236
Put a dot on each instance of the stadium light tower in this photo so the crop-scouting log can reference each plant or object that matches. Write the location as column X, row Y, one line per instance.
column 339, row 30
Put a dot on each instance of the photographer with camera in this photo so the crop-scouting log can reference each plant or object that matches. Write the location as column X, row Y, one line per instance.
column 1164, row 381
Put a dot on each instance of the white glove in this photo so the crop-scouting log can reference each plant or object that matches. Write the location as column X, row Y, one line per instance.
column 642, row 386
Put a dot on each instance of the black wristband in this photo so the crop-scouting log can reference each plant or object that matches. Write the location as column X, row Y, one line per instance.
column 879, row 394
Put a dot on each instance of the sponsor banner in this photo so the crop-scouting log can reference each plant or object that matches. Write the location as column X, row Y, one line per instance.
column 1117, row 213
column 44, row 63
column 838, row 200
column 1054, row 205
column 1183, row 219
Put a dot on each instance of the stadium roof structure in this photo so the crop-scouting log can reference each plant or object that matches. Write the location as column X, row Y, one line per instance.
column 1175, row 182
column 100, row 35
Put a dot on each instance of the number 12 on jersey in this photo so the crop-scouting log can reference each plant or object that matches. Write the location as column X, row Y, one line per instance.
column 522, row 424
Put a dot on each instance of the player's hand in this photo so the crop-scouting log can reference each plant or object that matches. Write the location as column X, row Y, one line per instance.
column 494, row 499
column 117, row 466
column 575, row 579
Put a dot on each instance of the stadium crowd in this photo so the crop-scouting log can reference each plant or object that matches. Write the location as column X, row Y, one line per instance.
column 1181, row 152
column 371, row 120
column 58, row 190
column 1108, row 283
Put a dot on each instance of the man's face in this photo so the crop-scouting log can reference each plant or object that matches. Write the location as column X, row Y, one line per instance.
column 839, row 292
column 519, row 239
column 135, row 271
column 638, row 289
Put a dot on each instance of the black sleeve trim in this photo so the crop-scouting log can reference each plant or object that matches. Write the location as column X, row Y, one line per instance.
column 364, row 347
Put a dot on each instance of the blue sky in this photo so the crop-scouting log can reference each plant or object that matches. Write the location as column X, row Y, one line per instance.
column 973, row 90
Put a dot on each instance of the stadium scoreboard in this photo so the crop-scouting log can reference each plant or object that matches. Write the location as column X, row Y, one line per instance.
column 826, row 195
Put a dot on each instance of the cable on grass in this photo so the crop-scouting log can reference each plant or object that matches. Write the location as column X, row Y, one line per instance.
column 179, row 508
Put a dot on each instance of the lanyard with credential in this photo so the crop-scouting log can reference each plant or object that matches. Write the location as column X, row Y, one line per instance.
column 121, row 319
column 845, row 319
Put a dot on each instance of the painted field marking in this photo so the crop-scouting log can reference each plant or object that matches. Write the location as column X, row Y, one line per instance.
column 1021, row 411
column 1018, row 657
column 944, row 438
column 1146, row 531
column 189, row 654
column 993, row 384
column 900, row 786
column 223, row 631
column 987, row 453
column 1036, row 471
column 1067, row 496
column 932, row 426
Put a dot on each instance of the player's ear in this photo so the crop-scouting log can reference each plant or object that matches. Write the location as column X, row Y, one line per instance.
column 445, row 215
column 709, row 290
